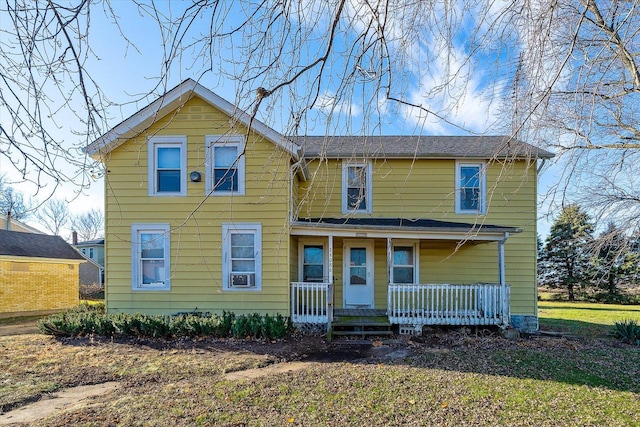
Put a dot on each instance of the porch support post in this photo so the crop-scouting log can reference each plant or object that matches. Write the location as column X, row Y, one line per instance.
column 502, row 279
column 389, row 259
column 331, row 284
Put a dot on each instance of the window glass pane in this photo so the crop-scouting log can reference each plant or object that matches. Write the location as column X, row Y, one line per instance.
column 358, row 256
column 403, row 274
column 169, row 180
column 242, row 252
column 313, row 255
column 242, row 239
column 226, row 179
column 403, row 255
column 469, row 199
column 224, row 156
column 312, row 273
column 356, row 199
column 245, row 266
column 168, row 157
column 152, row 272
column 356, row 177
column 152, row 245
column 470, row 176
column 358, row 276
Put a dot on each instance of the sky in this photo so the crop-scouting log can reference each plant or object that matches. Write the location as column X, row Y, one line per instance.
column 125, row 72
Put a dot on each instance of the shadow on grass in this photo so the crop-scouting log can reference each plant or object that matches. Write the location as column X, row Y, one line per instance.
column 580, row 362
column 576, row 327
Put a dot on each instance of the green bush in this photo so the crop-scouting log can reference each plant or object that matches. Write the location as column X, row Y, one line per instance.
column 87, row 320
column 628, row 331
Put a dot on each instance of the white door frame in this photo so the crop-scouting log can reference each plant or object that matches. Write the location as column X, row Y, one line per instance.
column 365, row 292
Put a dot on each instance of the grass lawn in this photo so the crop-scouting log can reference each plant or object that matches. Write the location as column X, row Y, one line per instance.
column 451, row 378
column 584, row 319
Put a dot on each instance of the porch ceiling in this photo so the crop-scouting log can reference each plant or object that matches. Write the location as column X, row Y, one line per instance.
column 400, row 228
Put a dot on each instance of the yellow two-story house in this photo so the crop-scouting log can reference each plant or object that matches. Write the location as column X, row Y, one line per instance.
column 208, row 209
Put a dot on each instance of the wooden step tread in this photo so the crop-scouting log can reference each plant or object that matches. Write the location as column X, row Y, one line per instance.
column 344, row 333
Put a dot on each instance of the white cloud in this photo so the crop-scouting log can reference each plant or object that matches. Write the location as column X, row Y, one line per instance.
column 329, row 103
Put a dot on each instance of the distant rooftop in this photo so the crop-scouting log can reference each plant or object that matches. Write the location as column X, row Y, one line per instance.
column 20, row 244
column 447, row 147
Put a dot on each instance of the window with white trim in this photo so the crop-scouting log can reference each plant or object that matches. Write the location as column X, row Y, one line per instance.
column 312, row 261
column 404, row 263
column 226, row 165
column 91, row 253
column 356, row 187
column 168, row 166
column 242, row 256
column 470, row 188
column 150, row 249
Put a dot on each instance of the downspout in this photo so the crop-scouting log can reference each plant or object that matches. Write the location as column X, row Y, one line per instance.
column 503, row 283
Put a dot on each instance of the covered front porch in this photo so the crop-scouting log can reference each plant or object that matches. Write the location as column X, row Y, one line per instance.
column 389, row 265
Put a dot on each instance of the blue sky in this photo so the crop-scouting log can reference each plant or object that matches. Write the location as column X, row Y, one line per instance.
column 126, row 72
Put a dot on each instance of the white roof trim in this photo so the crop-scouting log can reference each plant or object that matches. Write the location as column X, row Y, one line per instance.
column 306, row 229
column 169, row 102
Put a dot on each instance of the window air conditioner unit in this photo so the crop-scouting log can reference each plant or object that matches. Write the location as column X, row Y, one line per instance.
column 246, row 280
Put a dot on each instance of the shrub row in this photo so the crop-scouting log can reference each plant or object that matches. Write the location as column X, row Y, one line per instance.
column 92, row 320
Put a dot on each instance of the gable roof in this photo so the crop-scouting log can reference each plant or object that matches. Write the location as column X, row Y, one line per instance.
column 13, row 243
column 15, row 225
column 168, row 102
column 443, row 147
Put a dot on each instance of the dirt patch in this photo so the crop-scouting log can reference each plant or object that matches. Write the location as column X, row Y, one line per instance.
column 20, row 327
column 277, row 368
column 71, row 398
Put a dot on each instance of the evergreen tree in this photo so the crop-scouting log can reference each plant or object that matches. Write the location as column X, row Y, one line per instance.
column 614, row 262
column 565, row 261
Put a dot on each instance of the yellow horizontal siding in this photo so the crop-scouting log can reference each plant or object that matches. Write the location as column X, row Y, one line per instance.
column 426, row 189
column 196, row 221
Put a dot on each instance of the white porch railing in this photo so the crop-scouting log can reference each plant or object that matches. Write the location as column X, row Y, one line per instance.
column 311, row 302
column 442, row 304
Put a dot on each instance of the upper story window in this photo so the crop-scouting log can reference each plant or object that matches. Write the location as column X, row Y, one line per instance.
column 470, row 188
column 242, row 256
column 91, row 253
column 150, row 256
column 356, row 187
column 168, row 166
column 226, row 171
column 404, row 263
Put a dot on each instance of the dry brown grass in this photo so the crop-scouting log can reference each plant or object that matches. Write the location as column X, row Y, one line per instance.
column 449, row 379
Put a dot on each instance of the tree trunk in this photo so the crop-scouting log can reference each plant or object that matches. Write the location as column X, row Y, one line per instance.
column 572, row 297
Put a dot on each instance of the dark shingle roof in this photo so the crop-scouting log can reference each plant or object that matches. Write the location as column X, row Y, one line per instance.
column 19, row 244
column 484, row 147
column 418, row 224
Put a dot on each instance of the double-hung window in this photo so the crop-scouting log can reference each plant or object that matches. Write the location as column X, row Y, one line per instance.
column 404, row 263
column 242, row 256
column 150, row 251
column 168, row 166
column 470, row 188
column 226, row 160
column 312, row 263
column 356, row 187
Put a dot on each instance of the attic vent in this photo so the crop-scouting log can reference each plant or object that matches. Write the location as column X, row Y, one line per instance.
column 71, row 266
column 20, row 266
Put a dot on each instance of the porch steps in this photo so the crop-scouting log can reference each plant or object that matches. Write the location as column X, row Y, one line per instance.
column 361, row 326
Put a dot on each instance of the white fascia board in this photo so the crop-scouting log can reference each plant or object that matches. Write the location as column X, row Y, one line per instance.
column 297, row 230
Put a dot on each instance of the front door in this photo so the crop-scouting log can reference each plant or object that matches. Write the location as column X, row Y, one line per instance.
column 358, row 274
